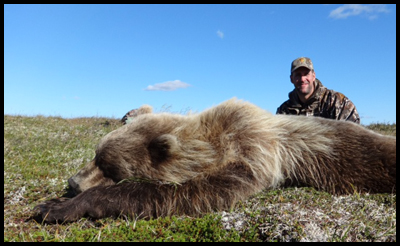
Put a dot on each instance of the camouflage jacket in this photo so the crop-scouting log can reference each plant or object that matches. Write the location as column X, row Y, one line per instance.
column 129, row 116
column 323, row 103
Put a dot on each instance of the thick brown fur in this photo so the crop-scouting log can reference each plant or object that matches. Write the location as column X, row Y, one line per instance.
column 166, row 164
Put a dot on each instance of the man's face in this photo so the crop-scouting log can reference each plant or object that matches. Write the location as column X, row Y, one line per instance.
column 303, row 81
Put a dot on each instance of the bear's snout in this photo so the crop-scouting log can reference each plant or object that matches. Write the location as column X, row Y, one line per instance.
column 74, row 186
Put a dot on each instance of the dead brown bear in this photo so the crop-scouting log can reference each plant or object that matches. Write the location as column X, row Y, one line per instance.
column 166, row 164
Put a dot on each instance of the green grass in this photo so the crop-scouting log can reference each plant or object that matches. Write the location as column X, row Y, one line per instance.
column 41, row 153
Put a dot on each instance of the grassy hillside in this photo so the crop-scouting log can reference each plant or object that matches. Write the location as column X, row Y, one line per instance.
column 41, row 153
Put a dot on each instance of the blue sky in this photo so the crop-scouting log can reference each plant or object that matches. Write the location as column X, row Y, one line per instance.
column 103, row 60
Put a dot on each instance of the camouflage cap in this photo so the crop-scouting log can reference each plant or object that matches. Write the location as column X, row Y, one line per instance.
column 302, row 62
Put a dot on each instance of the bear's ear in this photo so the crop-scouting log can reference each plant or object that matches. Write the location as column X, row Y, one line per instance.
column 144, row 109
column 162, row 148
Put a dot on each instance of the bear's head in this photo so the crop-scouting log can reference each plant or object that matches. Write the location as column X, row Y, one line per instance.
column 114, row 154
column 151, row 146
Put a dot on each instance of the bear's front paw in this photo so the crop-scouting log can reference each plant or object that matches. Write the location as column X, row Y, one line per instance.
column 53, row 211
